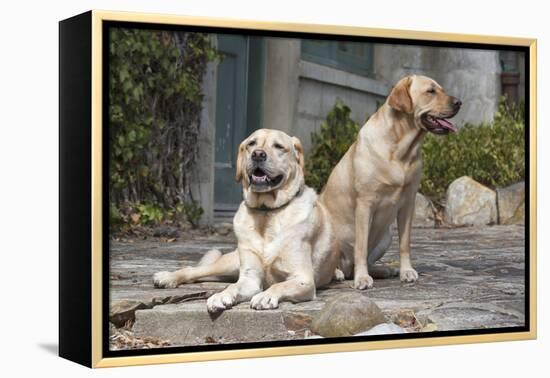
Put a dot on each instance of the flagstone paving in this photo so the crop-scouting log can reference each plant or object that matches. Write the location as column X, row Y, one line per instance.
column 469, row 278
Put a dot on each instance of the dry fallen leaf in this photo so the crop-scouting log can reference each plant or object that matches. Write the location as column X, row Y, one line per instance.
column 135, row 218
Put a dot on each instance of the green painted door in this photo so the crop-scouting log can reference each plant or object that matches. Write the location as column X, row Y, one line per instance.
column 230, row 117
column 238, row 112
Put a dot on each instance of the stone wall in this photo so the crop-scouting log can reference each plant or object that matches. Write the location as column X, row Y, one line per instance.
column 319, row 89
column 298, row 94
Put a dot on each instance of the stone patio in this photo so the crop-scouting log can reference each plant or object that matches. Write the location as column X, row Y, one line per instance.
column 470, row 278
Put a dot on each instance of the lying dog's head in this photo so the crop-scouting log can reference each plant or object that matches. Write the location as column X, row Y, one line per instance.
column 270, row 168
column 430, row 106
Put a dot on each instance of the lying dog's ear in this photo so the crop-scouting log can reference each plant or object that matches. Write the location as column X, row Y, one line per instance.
column 240, row 163
column 399, row 98
column 298, row 151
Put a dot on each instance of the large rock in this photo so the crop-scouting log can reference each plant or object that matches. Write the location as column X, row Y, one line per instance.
column 122, row 312
column 470, row 204
column 423, row 212
column 511, row 204
column 347, row 315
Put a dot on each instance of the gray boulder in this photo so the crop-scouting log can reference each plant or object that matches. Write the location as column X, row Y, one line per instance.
column 511, row 204
column 423, row 212
column 224, row 228
column 347, row 315
column 470, row 204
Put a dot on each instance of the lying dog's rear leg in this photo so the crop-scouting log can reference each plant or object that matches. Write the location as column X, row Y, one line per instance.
column 213, row 264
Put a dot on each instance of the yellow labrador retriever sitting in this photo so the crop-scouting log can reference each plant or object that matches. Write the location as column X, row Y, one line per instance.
column 377, row 179
column 285, row 242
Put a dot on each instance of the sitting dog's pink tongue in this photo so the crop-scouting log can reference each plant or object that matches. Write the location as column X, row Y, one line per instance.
column 446, row 124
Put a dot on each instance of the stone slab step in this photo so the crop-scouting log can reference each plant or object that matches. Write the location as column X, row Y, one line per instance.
column 190, row 323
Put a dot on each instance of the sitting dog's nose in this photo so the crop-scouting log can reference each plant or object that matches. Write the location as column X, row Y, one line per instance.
column 456, row 102
column 259, row 155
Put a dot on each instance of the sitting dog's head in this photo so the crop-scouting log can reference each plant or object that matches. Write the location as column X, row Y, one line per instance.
column 270, row 168
column 427, row 102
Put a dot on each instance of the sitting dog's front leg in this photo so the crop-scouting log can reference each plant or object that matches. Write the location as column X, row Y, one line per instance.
column 363, row 218
column 404, row 224
column 248, row 284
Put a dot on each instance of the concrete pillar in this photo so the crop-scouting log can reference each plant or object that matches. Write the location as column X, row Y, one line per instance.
column 474, row 77
column 393, row 62
column 281, row 83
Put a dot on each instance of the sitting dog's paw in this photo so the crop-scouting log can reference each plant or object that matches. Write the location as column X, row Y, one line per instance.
column 408, row 275
column 165, row 280
column 362, row 282
column 219, row 302
column 264, row 301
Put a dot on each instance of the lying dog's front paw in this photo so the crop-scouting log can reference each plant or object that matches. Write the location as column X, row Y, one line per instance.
column 408, row 275
column 362, row 282
column 165, row 280
column 264, row 301
column 219, row 302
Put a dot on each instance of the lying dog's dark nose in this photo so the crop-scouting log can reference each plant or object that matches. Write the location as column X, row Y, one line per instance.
column 456, row 102
column 259, row 155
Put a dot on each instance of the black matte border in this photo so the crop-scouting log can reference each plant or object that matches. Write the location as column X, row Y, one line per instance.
column 284, row 343
column 75, row 146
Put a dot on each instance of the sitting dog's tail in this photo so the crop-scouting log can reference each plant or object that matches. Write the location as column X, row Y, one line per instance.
column 380, row 250
column 381, row 270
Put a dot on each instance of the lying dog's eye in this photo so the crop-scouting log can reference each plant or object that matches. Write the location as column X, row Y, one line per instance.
column 431, row 91
column 251, row 143
column 278, row 146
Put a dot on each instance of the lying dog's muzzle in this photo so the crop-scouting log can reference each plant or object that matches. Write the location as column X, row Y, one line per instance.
column 261, row 181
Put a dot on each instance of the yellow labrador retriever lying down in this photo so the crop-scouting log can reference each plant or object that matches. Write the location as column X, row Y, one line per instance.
column 285, row 244
column 376, row 181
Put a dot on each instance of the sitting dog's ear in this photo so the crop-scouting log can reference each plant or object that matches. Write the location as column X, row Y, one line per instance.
column 298, row 151
column 399, row 98
column 240, row 163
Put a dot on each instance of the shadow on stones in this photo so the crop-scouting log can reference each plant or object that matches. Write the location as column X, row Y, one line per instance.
column 215, row 315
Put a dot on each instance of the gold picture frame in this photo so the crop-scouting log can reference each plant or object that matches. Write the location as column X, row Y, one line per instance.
column 88, row 266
